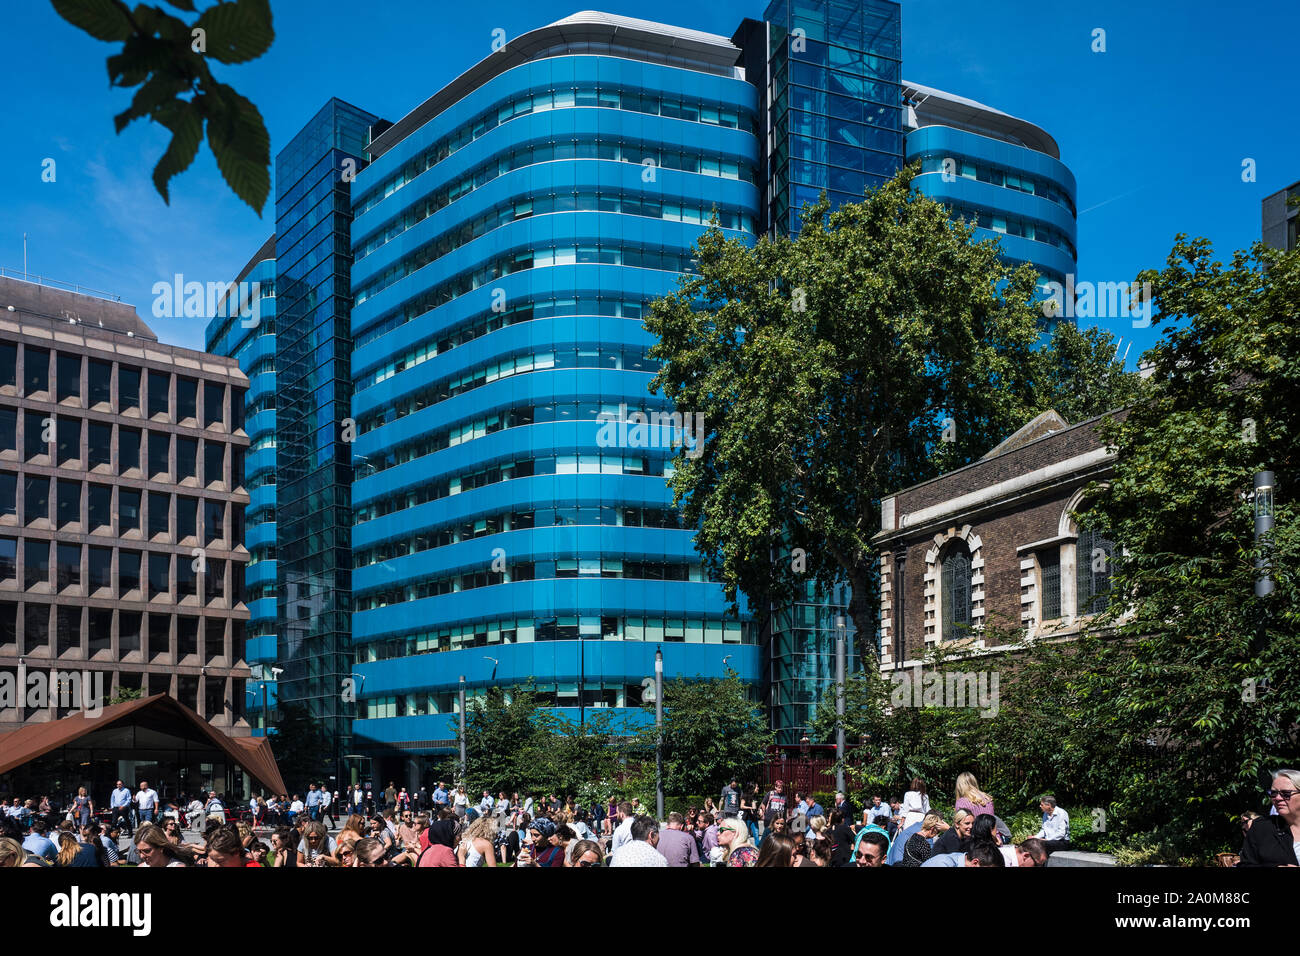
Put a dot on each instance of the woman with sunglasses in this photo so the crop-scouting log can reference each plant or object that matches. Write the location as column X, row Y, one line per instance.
column 1275, row 840
column 586, row 853
column 733, row 838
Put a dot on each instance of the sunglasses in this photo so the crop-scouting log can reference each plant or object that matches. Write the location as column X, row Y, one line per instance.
column 1284, row 794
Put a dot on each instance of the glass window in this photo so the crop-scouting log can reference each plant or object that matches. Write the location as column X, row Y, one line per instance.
column 160, row 628
column 36, row 498
column 128, row 388
column 99, row 507
column 214, row 580
column 186, row 578
column 160, row 571
column 956, row 593
column 159, row 455
column 214, row 640
column 1049, row 567
column 68, row 498
column 35, row 439
column 159, row 513
column 99, row 444
column 100, row 568
column 187, row 691
column 36, row 370
column 68, row 368
column 214, row 514
column 128, row 572
column 67, row 633
column 8, row 429
column 128, row 449
column 214, row 460
column 68, row 433
column 99, row 381
column 36, row 624
column 128, row 510
column 68, row 565
column 187, row 456
column 8, row 559
column 100, row 632
column 214, row 397
column 8, row 363
column 187, row 399
column 36, row 563
column 8, row 493
column 1093, row 553
column 187, row 637
column 187, row 517
column 128, row 637
column 159, row 394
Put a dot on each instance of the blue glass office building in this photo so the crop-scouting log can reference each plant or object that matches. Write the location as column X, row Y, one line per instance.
column 508, row 235
column 245, row 331
column 313, row 175
column 471, row 307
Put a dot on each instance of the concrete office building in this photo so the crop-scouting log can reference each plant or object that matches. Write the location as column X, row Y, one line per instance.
column 1280, row 219
column 121, row 508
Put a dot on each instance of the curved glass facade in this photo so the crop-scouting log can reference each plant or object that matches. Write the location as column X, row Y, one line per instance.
column 506, row 528
column 1022, row 197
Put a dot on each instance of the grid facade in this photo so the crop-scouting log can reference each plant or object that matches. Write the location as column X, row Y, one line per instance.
column 121, row 511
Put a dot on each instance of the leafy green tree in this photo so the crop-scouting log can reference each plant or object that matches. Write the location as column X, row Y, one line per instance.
column 1080, row 376
column 712, row 732
column 503, row 735
column 167, row 58
column 299, row 745
column 123, row 694
column 568, row 757
column 1204, row 674
column 880, row 348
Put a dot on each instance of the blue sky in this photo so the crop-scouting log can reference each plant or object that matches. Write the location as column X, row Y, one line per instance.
column 1155, row 129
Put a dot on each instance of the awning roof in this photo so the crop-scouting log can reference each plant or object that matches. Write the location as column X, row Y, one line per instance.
column 253, row 754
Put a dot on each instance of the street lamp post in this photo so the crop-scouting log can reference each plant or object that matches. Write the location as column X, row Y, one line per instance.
column 1264, row 482
column 659, row 733
column 461, row 701
column 839, row 705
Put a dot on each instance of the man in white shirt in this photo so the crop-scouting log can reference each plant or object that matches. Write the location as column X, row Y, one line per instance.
column 1055, row 832
column 639, row 850
column 623, row 832
column 146, row 802
column 327, row 806
column 295, row 808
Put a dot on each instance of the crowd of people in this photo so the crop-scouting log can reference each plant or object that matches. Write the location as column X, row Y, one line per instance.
column 445, row 827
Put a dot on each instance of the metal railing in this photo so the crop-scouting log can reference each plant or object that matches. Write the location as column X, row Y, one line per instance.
column 57, row 284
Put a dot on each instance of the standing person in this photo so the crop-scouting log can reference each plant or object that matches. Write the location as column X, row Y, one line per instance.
column 461, row 802
column 878, row 813
column 840, row 839
column 916, row 803
column 313, row 802
column 812, row 808
column 708, row 837
column 120, row 803
column 676, row 845
column 623, row 832
column 971, row 797
column 750, row 803
column 390, row 796
column 843, row 804
column 327, row 801
column 1275, row 840
column 729, row 800
column 598, row 817
column 439, row 798
column 146, row 802
column 82, row 807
